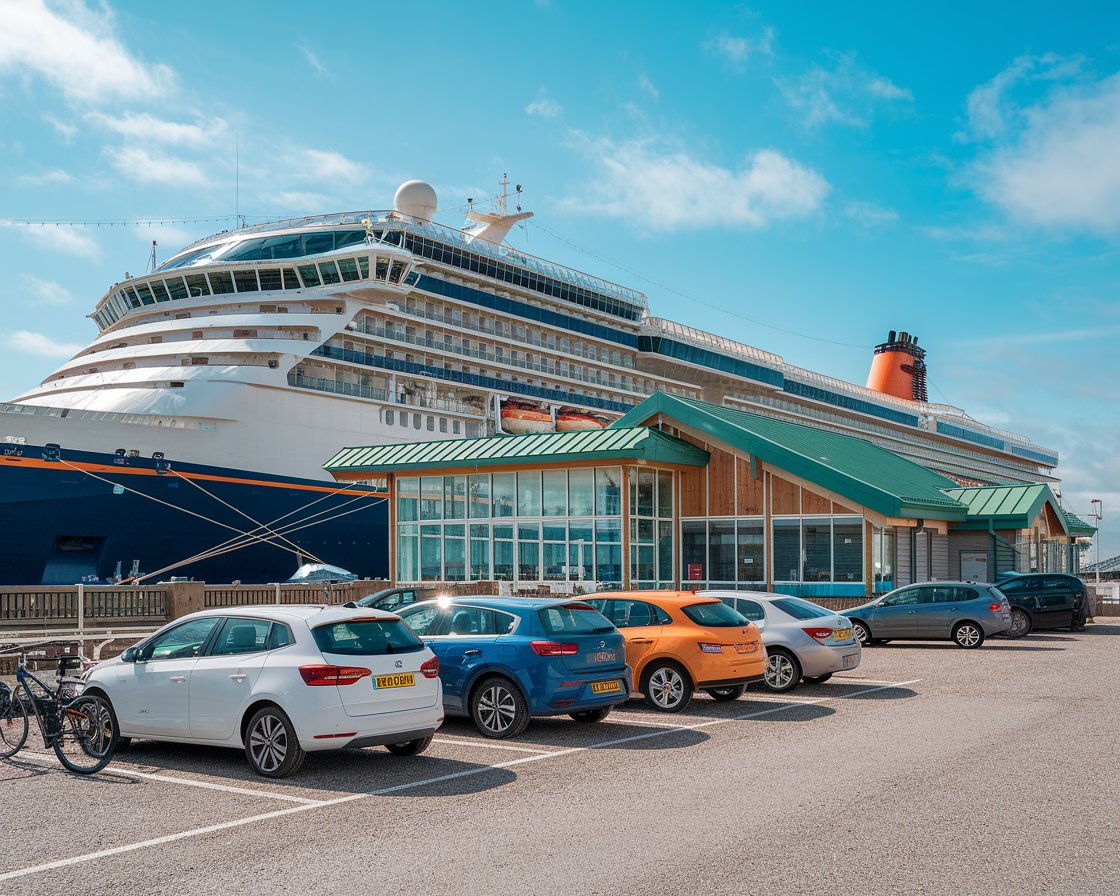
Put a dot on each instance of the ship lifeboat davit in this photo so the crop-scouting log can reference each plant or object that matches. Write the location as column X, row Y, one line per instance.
column 899, row 368
column 572, row 419
column 523, row 416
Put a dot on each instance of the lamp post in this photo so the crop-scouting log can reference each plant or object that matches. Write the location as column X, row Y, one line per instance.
column 1098, row 515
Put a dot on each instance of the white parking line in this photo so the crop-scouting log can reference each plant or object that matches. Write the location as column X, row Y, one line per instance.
column 483, row 743
column 410, row 785
column 52, row 760
column 646, row 723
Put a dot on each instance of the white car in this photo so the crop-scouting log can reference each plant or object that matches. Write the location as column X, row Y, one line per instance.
column 278, row 681
column 803, row 640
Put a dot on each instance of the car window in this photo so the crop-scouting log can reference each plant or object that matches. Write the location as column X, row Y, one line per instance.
column 1055, row 583
column 364, row 637
column 1014, row 585
column 279, row 636
column 242, row 636
column 715, row 615
column 480, row 621
column 906, row 598
column 801, row 609
column 575, row 619
column 184, row 640
column 751, row 609
column 427, row 620
column 627, row 613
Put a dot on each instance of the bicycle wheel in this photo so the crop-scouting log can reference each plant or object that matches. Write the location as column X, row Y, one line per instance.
column 85, row 739
column 13, row 723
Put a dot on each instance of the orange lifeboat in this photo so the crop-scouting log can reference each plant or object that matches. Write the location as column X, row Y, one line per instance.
column 572, row 419
column 523, row 416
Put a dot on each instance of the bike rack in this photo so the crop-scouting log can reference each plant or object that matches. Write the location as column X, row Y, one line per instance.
column 99, row 639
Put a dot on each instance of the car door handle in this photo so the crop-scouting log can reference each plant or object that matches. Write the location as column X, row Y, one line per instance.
column 474, row 651
column 177, row 679
column 239, row 676
column 641, row 641
column 911, row 612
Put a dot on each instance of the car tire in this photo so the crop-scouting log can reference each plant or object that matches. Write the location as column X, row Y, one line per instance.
column 667, row 687
column 271, row 744
column 1020, row 624
column 968, row 635
column 817, row 679
column 862, row 633
column 587, row 716
column 731, row 692
column 782, row 672
column 498, row 708
column 410, row 747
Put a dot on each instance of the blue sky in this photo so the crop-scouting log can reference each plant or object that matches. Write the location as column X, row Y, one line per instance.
column 799, row 178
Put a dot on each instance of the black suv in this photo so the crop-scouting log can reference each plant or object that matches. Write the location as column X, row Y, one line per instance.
column 394, row 598
column 1043, row 600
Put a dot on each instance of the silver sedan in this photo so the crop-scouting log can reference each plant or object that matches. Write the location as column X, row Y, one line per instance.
column 803, row 640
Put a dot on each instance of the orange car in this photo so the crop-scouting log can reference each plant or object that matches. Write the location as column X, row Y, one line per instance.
column 676, row 642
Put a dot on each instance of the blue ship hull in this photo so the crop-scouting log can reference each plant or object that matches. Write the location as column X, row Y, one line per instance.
column 64, row 521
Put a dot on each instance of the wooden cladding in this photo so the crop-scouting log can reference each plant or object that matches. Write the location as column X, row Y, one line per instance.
column 750, row 494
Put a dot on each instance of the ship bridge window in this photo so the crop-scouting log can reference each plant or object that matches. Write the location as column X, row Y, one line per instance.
column 144, row 293
column 270, row 278
column 291, row 281
column 310, row 274
column 177, row 288
column 246, row 281
column 329, row 272
column 197, row 285
column 363, row 266
column 382, row 268
column 349, row 269
column 221, row 282
column 199, row 256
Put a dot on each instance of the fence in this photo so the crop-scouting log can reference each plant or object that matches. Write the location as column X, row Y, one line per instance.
column 80, row 605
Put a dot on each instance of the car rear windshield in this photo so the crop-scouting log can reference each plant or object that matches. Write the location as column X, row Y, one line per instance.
column 801, row 609
column 573, row 619
column 715, row 615
column 366, row 637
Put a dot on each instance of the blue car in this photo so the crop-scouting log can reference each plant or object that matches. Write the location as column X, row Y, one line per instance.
column 503, row 660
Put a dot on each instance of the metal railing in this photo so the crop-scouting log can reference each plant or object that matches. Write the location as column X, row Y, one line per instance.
column 52, row 605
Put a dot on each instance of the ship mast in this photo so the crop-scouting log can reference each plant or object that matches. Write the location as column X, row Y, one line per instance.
column 496, row 225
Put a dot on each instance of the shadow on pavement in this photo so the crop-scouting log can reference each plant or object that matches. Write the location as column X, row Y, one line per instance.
column 888, row 694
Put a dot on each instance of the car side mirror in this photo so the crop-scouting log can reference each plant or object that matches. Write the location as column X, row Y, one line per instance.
column 130, row 655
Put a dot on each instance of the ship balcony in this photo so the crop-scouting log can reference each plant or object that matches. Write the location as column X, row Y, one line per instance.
column 375, row 393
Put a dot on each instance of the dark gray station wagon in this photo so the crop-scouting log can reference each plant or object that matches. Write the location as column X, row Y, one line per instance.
column 962, row 612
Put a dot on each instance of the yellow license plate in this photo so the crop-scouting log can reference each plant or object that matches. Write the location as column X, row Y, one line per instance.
column 746, row 648
column 401, row 680
column 605, row 687
column 842, row 634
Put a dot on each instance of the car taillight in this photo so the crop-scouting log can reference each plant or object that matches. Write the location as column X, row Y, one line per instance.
column 818, row 634
column 321, row 676
column 711, row 648
column 995, row 608
column 430, row 669
column 553, row 648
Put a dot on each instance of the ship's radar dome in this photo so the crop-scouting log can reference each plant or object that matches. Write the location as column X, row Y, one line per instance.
column 416, row 199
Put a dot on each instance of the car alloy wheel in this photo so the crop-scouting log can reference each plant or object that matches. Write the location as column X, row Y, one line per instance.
column 668, row 689
column 268, row 743
column 968, row 635
column 1020, row 624
column 497, row 708
column 781, row 672
column 862, row 634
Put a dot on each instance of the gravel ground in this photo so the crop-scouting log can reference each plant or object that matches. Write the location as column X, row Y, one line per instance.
column 927, row 770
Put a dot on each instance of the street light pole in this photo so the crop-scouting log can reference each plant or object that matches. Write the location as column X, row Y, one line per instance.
column 1098, row 514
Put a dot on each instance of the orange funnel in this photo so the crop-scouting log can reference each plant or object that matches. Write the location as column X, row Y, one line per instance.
column 899, row 368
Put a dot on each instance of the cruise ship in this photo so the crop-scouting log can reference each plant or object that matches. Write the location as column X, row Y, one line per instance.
column 187, row 438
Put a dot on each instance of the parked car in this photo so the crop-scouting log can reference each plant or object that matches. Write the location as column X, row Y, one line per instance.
column 803, row 640
column 392, row 599
column 504, row 660
column 1046, row 600
column 678, row 641
column 963, row 612
column 279, row 682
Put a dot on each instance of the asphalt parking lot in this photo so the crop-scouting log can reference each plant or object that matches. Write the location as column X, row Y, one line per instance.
column 929, row 769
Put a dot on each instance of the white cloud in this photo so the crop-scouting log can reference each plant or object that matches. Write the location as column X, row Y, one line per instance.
column 149, row 129
column 45, row 292
column 543, row 107
column 77, row 50
column 648, row 87
column 314, row 61
column 66, row 129
column 54, row 176
column 60, row 238
column 298, row 201
column 659, row 187
column 152, row 168
column 1055, row 164
column 848, row 93
column 990, row 107
column 327, row 166
column 39, row 344
column 868, row 214
column 736, row 51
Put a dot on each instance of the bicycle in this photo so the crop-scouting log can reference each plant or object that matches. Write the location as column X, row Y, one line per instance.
column 80, row 729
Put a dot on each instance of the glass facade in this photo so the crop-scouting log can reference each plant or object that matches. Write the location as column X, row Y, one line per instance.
column 651, row 528
column 882, row 558
column 530, row 526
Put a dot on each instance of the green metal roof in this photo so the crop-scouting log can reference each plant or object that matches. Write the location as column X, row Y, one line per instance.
column 1076, row 525
column 854, row 468
column 544, row 448
column 1013, row 507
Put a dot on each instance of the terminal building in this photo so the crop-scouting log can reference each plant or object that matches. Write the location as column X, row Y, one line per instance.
column 681, row 493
